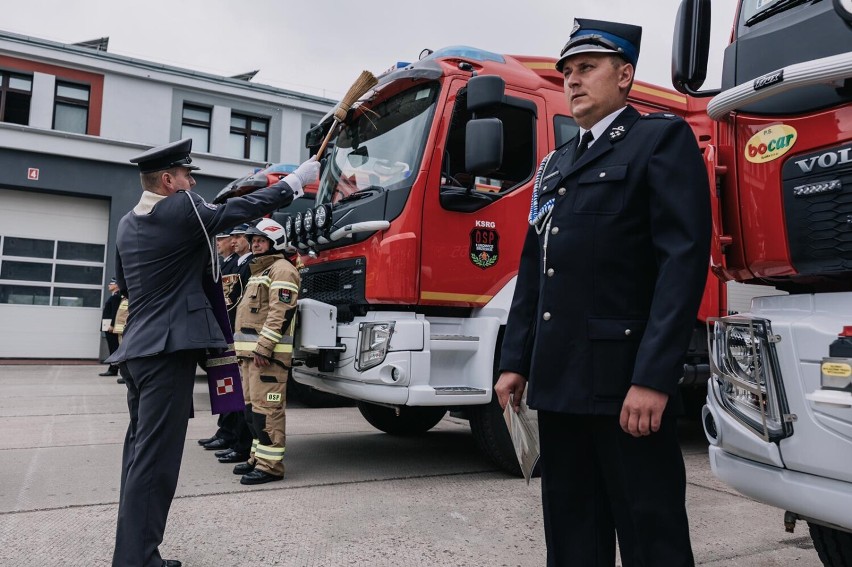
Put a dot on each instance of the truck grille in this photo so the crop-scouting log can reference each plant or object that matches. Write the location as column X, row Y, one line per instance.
column 337, row 283
column 818, row 210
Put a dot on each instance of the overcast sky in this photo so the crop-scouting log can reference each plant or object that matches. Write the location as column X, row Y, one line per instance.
column 321, row 47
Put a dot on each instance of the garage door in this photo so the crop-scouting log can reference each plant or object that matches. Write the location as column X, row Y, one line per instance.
column 52, row 256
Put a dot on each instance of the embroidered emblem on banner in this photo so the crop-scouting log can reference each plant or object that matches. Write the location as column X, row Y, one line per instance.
column 224, row 386
column 273, row 397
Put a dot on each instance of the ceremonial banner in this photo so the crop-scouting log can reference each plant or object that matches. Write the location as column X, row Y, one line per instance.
column 223, row 371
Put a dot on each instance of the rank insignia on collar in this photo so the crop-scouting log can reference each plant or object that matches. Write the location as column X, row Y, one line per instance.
column 616, row 133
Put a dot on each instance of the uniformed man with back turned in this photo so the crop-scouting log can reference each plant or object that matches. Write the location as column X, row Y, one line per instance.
column 164, row 254
column 611, row 276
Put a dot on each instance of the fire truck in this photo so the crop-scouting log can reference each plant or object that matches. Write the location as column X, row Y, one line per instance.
column 412, row 250
column 778, row 414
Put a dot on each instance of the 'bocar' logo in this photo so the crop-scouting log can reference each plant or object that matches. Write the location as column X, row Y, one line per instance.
column 770, row 143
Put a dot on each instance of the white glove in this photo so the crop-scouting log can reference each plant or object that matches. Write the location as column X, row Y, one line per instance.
column 306, row 173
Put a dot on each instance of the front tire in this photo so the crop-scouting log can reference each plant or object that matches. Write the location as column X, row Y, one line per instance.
column 492, row 436
column 410, row 421
column 834, row 547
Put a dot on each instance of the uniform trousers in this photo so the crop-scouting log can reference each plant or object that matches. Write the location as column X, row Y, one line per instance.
column 597, row 480
column 265, row 393
column 234, row 430
column 112, row 345
column 159, row 397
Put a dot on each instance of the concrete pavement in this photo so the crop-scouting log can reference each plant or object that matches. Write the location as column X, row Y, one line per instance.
column 351, row 496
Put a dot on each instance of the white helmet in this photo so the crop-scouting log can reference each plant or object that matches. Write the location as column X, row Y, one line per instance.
column 271, row 230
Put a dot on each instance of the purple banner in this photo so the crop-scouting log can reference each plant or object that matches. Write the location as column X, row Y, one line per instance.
column 223, row 371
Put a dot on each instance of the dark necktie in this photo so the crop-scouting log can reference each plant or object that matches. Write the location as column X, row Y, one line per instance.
column 584, row 145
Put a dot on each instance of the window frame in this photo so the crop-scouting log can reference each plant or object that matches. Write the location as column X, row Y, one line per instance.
column 247, row 132
column 54, row 262
column 5, row 79
column 184, row 121
column 73, row 102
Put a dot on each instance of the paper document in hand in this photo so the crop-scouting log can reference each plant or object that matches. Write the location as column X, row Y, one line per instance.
column 523, row 428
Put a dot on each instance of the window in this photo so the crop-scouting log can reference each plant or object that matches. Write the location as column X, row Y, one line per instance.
column 35, row 271
column 565, row 128
column 195, row 124
column 71, row 107
column 518, row 118
column 248, row 138
column 15, row 94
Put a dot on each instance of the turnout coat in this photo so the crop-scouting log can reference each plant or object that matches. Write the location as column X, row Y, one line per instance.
column 611, row 278
column 161, row 258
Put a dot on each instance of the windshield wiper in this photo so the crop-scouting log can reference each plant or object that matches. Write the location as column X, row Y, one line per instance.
column 776, row 8
column 361, row 193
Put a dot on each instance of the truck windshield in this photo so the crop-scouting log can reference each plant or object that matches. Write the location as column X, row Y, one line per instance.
column 380, row 147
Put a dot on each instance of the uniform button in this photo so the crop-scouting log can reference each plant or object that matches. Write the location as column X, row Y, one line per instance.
column 627, row 332
column 554, row 230
column 546, row 316
column 550, row 272
column 603, row 174
column 561, row 190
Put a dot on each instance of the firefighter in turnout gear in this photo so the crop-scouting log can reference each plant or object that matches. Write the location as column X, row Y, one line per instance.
column 263, row 340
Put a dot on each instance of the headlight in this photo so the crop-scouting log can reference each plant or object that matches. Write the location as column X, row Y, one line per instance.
column 297, row 223
column 322, row 216
column 744, row 364
column 373, row 343
column 288, row 227
column 308, row 220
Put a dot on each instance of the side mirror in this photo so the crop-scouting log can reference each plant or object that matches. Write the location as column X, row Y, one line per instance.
column 691, row 46
column 315, row 136
column 483, row 147
column 484, row 91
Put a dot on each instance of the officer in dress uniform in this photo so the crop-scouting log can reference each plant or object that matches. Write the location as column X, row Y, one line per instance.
column 234, row 433
column 263, row 341
column 163, row 251
column 225, row 247
column 232, row 440
column 109, row 312
column 611, row 276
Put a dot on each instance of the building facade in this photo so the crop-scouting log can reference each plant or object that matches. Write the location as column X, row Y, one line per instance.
column 70, row 119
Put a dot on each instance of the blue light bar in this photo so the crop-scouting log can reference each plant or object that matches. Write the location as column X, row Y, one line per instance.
column 467, row 53
column 281, row 168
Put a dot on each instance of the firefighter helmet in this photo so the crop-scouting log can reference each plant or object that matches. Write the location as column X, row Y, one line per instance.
column 271, row 230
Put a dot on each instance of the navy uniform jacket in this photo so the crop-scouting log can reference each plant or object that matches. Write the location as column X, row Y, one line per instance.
column 244, row 272
column 111, row 308
column 627, row 255
column 160, row 262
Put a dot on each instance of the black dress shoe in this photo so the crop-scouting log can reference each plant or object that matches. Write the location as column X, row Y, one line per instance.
column 243, row 468
column 171, row 563
column 203, row 442
column 216, row 444
column 109, row 373
column 120, row 380
column 223, row 453
column 258, row 476
column 234, row 457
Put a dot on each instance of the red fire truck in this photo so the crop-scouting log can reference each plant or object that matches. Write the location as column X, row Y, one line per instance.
column 412, row 250
column 779, row 404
